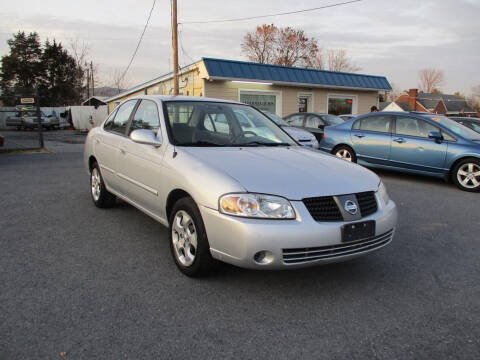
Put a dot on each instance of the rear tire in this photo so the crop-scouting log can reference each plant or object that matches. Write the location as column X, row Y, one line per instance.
column 466, row 175
column 345, row 152
column 101, row 197
column 188, row 239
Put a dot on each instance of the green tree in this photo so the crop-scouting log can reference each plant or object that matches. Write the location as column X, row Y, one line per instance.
column 61, row 82
column 22, row 68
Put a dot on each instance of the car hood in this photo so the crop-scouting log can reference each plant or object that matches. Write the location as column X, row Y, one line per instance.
column 293, row 173
column 298, row 134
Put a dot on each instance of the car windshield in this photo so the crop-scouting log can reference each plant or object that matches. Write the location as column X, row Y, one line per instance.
column 202, row 123
column 455, row 127
column 278, row 120
column 333, row 120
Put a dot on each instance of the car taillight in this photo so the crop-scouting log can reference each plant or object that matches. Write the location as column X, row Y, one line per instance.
column 323, row 136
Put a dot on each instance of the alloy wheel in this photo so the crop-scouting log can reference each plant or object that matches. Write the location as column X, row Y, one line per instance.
column 184, row 238
column 468, row 175
column 344, row 154
column 95, row 184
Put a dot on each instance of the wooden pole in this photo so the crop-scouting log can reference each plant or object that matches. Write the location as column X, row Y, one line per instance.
column 175, row 48
column 39, row 117
column 93, row 81
column 88, row 82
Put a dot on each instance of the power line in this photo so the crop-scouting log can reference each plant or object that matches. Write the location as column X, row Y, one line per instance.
column 139, row 40
column 277, row 14
column 180, row 38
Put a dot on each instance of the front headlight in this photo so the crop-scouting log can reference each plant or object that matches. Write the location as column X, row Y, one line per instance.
column 382, row 190
column 256, row 205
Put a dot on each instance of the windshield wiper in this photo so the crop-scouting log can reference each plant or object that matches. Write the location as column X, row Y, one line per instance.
column 262, row 143
column 201, row 143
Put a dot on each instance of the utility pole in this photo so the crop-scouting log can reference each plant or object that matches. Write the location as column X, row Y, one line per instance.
column 88, row 81
column 175, row 48
column 93, row 81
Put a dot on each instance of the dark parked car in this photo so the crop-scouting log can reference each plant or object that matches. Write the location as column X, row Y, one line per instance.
column 346, row 117
column 472, row 123
column 421, row 143
column 303, row 137
column 313, row 122
column 28, row 120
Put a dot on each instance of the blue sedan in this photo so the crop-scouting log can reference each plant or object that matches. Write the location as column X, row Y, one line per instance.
column 420, row 143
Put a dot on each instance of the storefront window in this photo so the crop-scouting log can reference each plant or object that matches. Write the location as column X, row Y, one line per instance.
column 302, row 104
column 340, row 105
column 264, row 102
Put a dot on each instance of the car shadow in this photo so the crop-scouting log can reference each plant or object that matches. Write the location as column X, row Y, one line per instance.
column 425, row 179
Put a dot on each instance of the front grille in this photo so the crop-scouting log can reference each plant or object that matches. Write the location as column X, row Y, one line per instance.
column 303, row 255
column 323, row 208
column 367, row 203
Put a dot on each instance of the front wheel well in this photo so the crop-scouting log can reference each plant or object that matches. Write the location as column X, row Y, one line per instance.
column 336, row 147
column 173, row 197
column 458, row 161
column 91, row 161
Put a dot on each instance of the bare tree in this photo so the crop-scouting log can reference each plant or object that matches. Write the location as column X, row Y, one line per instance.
column 430, row 80
column 293, row 47
column 474, row 99
column 282, row 46
column 117, row 81
column 258, row 46
column 318, row 61
column 337, row 60
column 86, row 67
column 394, row 93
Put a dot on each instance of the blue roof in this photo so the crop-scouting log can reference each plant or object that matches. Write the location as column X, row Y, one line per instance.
column 233, row 69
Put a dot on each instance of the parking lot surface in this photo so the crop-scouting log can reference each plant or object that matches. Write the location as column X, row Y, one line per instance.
column 83, row 283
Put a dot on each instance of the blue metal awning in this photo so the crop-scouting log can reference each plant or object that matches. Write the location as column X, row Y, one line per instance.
column 242, row 70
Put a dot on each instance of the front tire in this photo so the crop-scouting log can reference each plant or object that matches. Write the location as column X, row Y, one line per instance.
column 466, row 175
column 345, row 152
column 101, row 197
column 188, row 239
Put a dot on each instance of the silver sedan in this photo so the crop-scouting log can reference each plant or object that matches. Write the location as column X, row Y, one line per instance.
column 251, row 198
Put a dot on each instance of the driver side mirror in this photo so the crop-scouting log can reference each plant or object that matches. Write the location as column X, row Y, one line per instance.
column 437, row 136
column 146, row 137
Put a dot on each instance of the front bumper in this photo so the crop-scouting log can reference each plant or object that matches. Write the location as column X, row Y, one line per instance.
column 292, row 243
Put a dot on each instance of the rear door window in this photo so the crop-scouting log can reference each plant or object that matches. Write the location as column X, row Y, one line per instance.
column 295, row 120
column 379, row 123
column 314, row 122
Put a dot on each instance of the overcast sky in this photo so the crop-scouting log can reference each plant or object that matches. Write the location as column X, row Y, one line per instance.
column 384, row 37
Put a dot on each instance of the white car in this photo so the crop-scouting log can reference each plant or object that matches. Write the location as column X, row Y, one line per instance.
column 229, row 194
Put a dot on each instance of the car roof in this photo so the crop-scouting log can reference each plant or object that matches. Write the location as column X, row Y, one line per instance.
column 182, row 98
column 308, row 113
column 465, row 118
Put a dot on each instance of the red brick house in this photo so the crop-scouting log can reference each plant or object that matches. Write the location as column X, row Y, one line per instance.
column 445, row 104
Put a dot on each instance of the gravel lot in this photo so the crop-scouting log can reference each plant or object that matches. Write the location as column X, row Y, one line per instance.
column 100, row 284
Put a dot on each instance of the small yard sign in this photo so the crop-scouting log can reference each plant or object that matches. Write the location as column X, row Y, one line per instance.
column 27, row 100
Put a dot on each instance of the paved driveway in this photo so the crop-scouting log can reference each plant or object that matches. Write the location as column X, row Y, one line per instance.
column 100, row 284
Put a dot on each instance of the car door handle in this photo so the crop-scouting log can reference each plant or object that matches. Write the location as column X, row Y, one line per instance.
column 399, row 140
column 359, row 136
column 122, row 151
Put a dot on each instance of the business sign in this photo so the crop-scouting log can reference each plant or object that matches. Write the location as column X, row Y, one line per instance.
column 27, row 100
